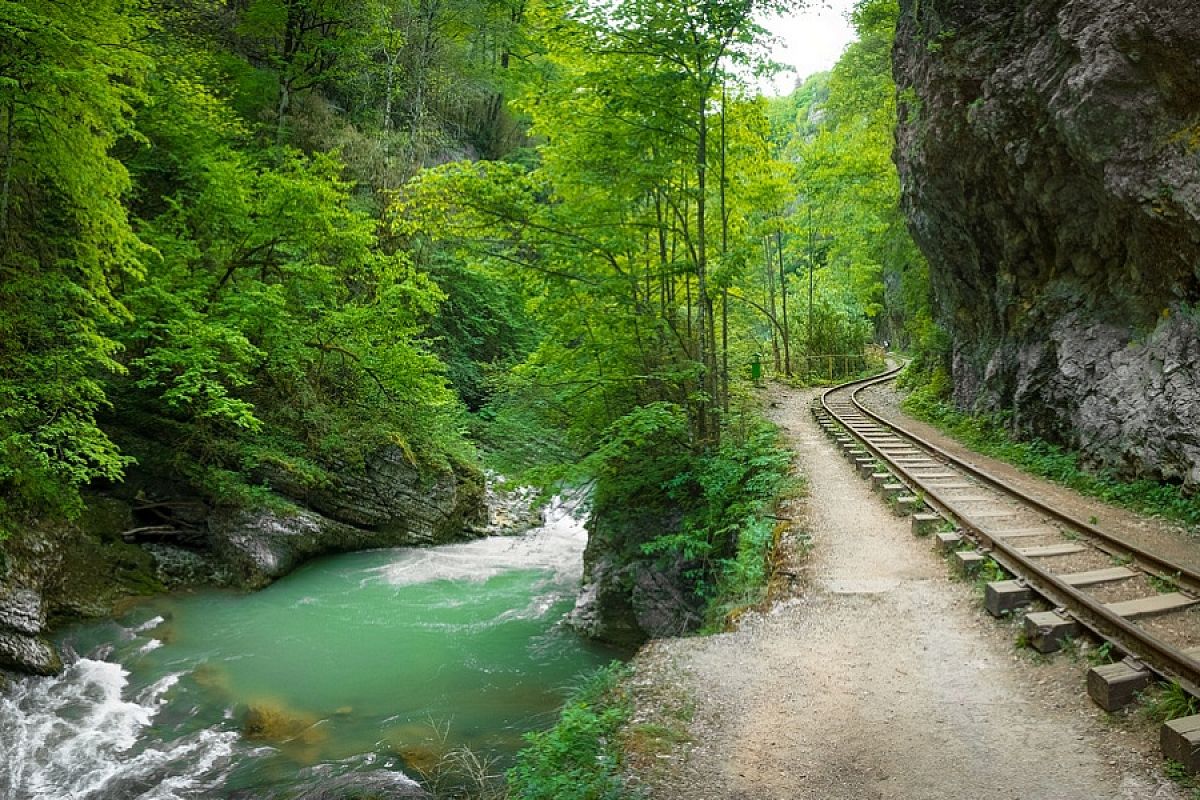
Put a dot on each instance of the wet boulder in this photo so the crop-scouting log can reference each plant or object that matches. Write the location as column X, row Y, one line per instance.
column 30, row 654
column 379, row 785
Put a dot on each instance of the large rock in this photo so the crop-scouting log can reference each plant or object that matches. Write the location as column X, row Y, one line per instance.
column 391, row 495
column 628, row 597
column 379, row 785
column 260, row 545
column 31, row 654
column 22, row 611
column 1049, row 153
column 624, row 605
column 387, row 503
column 65, row 569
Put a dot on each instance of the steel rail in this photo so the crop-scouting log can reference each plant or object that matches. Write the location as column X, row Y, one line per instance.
column 1159, row 655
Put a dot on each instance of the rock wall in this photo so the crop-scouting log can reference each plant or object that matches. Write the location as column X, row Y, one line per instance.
column 1049, row 154
column 56, row 571
column 627, row 597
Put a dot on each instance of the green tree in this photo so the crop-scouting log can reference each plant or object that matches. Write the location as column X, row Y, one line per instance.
column 69, row 76
column 847, row 230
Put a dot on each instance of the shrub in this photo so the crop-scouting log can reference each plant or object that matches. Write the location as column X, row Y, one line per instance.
column 580, row 757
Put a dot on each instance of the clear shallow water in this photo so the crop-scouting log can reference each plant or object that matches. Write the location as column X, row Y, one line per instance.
column 382, row 659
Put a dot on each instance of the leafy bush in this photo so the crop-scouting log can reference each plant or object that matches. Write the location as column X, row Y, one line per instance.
column 711, row 507
column 580, row 757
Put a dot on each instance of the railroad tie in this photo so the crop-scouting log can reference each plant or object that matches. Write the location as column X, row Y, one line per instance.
column 1097, row 576
column 1051, row 550
column 1152, row 606
column 1021, row 533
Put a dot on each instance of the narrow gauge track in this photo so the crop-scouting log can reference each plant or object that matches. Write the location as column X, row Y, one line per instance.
column 1146, row 605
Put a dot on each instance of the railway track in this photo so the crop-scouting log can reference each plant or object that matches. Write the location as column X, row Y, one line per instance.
column 1092, row 578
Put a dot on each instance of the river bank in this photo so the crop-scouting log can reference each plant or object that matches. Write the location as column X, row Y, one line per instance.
column 377, row 663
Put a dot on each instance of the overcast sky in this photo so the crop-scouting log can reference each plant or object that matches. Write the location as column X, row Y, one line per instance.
column 810, row 41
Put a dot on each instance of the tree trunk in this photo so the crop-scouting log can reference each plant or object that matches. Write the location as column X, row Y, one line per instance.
column 769, row 260
column 787, row 334
column 724, row 255
column 705, row 314
column 9, row 146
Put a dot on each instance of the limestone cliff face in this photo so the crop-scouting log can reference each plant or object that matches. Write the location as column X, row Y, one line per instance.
column 1049, row 152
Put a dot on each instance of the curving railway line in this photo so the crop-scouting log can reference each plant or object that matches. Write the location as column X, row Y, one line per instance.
column 1092, row 578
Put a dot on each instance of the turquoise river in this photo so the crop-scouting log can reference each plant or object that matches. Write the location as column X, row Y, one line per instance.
column 381, row 660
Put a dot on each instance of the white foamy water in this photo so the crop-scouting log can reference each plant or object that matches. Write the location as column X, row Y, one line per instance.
column 555, row 547
column 75, row 736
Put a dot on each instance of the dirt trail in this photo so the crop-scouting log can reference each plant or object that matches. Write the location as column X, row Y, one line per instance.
column 881, row 679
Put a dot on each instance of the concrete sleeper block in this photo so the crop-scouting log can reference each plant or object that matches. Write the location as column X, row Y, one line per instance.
column 1180, row 741
column 925, row 524
column 1114, row 686
column 969, row 562
column 1001, row 597
column 948, row 540
column 1046, row 631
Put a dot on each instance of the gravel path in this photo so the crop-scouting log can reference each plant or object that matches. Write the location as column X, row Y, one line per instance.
column 880, row 678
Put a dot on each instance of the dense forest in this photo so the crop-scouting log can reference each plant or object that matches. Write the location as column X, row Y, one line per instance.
column 270, row 236
column 287, row 278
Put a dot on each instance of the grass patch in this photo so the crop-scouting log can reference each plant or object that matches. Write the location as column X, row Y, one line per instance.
column 1179, row 773
column 579, row 758
column 1165, row 584
column 988, row 434
column 1104, row 654
column 1168, row 701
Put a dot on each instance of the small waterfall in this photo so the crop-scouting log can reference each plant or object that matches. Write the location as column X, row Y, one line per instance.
column 555, row 547
column 75, row 735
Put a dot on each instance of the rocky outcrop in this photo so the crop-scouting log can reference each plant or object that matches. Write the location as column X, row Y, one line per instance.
column 1049, row 154
column 386, row 502
column 50, row 571
column 389, row 495
column 84, row 569
column 627, row 597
